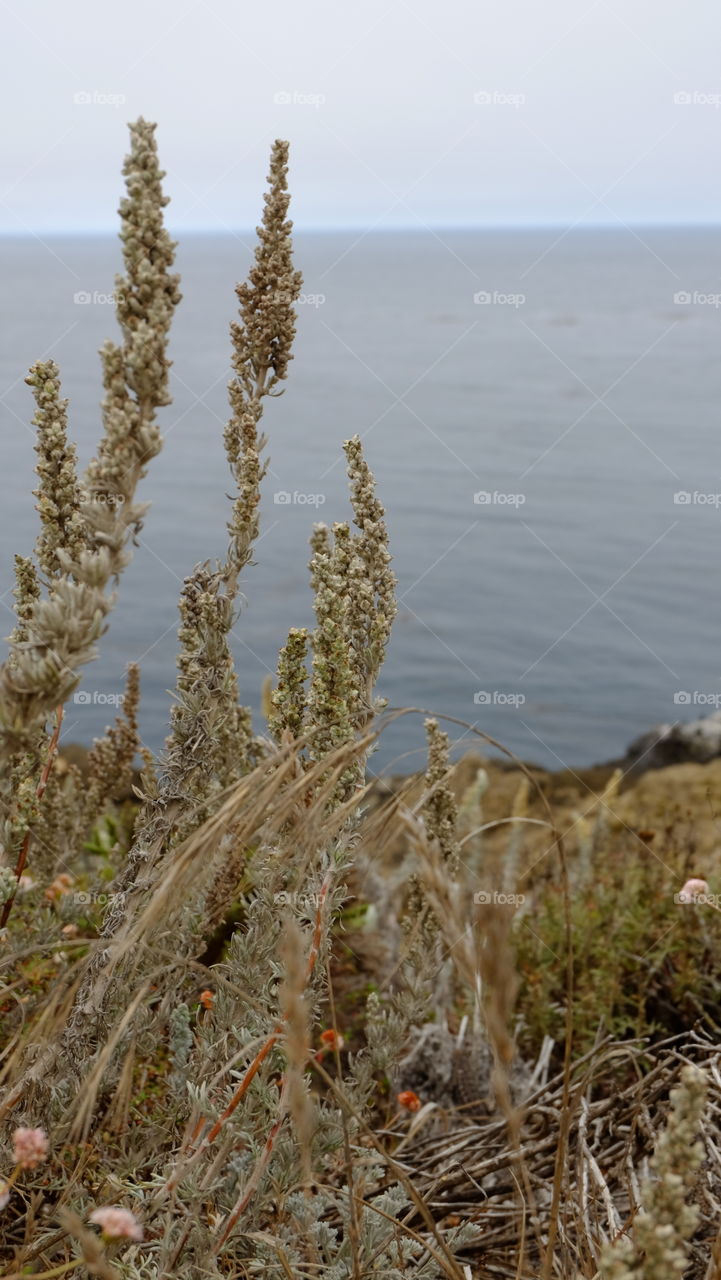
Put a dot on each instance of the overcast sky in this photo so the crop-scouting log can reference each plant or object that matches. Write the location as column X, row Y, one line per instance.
column 400, row 113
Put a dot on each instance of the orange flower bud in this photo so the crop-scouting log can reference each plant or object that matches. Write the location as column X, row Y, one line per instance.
column 409, row 1100
column 332, row 1039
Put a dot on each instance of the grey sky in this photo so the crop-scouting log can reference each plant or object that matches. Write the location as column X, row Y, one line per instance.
column 401, row 112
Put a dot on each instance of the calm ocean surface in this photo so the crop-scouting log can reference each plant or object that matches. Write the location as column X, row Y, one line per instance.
column 564, row 624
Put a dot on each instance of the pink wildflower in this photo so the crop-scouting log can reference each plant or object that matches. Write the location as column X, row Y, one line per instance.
column 117, row 1224
column 30, row 1147
column 692, row 890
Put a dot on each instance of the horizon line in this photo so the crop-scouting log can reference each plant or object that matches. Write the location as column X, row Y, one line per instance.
column 356, row 228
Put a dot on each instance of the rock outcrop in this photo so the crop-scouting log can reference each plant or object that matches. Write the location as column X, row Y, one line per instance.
column 695, row 742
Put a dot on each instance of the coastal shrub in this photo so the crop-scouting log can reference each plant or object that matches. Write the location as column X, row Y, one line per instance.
column 196, row 1080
